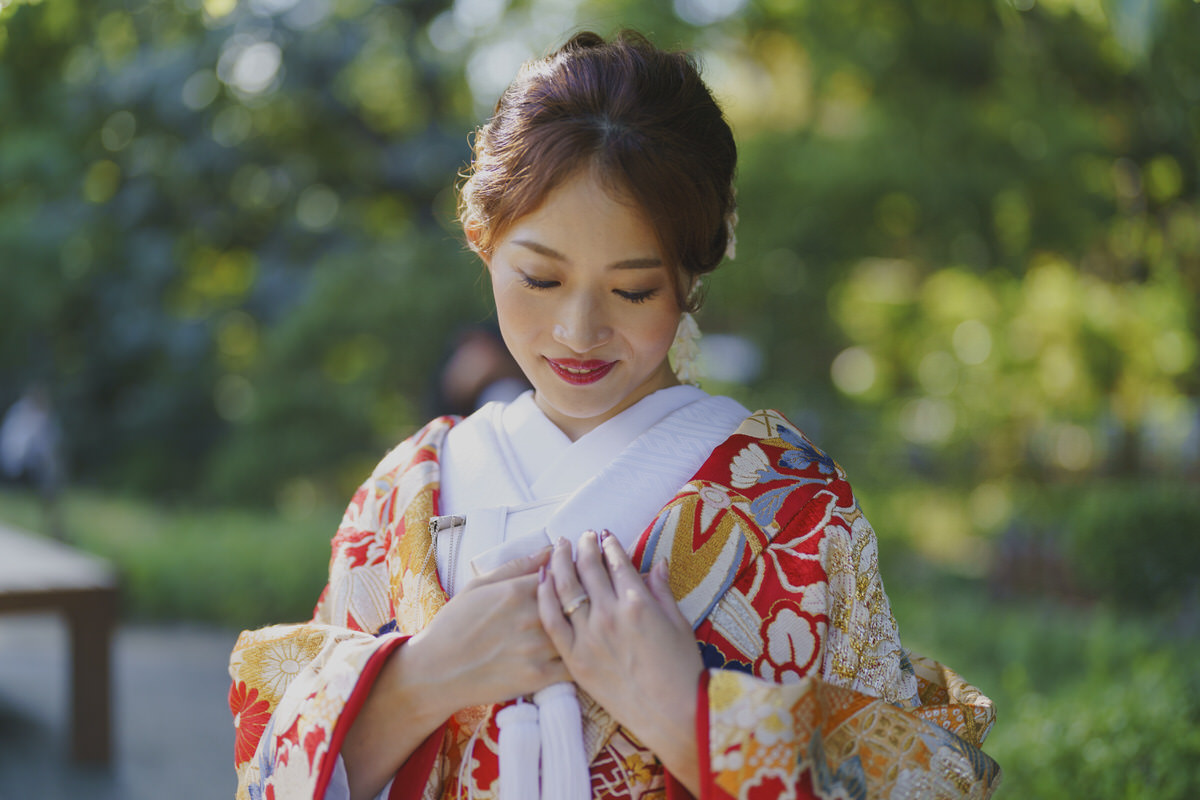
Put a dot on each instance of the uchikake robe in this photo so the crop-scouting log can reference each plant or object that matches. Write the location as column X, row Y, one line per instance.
column 807, row 691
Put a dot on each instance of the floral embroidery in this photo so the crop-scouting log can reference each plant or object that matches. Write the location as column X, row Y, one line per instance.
column 805, row 455
column 791, row 581
column 281, row 663
column 852, row 746
column 748, row 466
column 637, row 769
column 260, row 788
column 790, row 643
column 863, row 649
column 751, row 467
column 250, row 716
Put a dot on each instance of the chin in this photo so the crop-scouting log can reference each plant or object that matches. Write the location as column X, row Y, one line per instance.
column 582, row 411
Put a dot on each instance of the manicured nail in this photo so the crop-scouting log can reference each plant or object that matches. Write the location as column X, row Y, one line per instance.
column 605, row 535
column 562, row 542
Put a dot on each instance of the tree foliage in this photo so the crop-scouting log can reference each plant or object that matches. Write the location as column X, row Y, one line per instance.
column 969, row 240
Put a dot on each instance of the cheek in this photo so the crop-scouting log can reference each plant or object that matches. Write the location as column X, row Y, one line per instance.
column 512, row 309
column 660, row 334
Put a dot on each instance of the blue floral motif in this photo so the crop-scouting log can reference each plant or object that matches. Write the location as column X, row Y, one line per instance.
column 766, row 506
column 266, row 762
column 850, row 776
column 805, row 454
column 390, row 627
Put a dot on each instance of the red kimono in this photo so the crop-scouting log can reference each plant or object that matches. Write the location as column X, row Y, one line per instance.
column 808, row 691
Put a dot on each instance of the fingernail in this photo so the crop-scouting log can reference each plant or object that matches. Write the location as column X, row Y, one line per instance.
column 605, row 535
column 541, row 574
column 562, row 542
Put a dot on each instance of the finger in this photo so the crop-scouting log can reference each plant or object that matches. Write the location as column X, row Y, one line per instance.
column 557, row 628
column 525, row 565
column 563, row 577
column 625, row 578
column 659, row 584
column 592, row 570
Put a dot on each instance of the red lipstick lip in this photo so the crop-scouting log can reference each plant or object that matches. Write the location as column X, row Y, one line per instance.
column 594, row 369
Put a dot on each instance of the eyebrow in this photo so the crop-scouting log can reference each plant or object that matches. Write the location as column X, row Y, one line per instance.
column 631, row 263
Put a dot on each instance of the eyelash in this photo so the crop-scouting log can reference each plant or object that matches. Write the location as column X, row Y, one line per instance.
column 534, row 283
column 637, row 297
column 633, row 297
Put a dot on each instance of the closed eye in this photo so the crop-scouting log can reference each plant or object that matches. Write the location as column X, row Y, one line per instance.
column 636, row 297
column 534, row 283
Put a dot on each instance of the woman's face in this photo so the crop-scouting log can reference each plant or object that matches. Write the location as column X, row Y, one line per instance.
column 586, row 304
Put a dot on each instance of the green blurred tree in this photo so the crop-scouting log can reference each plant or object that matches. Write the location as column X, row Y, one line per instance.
column 969, row 235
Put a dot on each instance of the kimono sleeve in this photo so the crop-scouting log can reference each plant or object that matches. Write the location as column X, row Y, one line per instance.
column 826, row 703
column 818, row 740
column 297, row 688
column 873, row 722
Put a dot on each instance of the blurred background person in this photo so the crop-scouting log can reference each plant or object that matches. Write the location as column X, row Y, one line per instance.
column 31, row 450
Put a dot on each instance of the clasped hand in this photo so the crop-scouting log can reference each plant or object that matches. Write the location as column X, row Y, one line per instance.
column 624, row 641
column 627, row 644
column 506, row 634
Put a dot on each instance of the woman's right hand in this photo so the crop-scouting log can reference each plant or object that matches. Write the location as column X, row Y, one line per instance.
column 487, row 645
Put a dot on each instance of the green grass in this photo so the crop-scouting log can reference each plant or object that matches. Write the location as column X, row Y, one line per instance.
column 229, row 567
column 1092, row 702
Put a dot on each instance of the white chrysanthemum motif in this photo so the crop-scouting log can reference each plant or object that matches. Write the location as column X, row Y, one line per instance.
column 280, row 664
column 748, row 466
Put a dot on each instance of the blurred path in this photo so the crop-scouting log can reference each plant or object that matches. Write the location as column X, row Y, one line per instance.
column 172, row 737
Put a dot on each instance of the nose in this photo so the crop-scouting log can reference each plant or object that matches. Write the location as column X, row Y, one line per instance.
column 582, row 325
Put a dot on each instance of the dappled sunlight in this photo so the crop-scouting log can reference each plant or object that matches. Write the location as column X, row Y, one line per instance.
column 968, row 266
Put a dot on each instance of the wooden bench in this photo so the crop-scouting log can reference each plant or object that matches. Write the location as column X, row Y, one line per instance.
column 39, row 574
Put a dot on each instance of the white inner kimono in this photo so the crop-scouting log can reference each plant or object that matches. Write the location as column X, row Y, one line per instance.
column 512, row 482
column 515, row 482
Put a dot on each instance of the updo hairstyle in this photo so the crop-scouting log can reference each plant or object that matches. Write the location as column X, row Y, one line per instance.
column 641, row 117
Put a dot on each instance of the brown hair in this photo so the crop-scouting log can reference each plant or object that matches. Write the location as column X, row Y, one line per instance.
column 642, row 117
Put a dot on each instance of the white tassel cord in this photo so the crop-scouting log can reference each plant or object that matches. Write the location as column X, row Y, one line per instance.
column 565, row 773
column 519, row 744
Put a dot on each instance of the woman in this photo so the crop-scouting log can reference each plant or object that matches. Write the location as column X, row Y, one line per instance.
column 478, row 638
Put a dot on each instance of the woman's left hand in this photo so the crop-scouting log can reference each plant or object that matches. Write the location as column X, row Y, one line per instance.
column 627, row 645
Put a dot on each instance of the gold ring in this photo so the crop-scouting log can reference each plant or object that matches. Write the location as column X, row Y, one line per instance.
column 573, row 606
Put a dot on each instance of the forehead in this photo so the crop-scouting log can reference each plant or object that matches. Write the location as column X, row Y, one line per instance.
column 584, row 218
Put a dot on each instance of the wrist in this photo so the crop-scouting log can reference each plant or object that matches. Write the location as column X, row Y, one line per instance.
column 670, row 730
column 415, row 685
